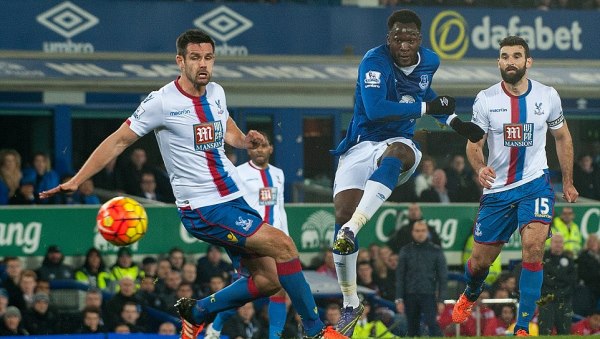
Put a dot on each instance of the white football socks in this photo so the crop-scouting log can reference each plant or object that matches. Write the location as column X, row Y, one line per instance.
column 345, row 267
column 374, row 195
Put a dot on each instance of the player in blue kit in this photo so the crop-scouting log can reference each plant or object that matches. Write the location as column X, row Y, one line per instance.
column 392, row 91
column 516, row 114
column 191, row 122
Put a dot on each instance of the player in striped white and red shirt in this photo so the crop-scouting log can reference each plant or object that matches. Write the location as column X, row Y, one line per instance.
column 190, row 120
column 515, row 115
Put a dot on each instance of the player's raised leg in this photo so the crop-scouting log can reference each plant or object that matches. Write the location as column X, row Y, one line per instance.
column 398, row 157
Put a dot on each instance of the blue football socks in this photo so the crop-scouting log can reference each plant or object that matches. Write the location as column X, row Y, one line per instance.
column 293, row 282
column 530, row 284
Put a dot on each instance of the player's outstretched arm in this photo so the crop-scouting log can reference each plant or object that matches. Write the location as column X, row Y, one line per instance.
column 564, row 150
column 109, row 149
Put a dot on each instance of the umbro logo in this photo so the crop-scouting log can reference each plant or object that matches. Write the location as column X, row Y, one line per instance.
column 67, row 19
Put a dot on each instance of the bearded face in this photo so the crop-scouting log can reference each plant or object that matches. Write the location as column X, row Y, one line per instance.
column 513, row 74
column 513, row 63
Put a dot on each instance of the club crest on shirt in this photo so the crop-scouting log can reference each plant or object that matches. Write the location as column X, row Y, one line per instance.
column 372, row 79
column 518, row 135
column 208, row 135
column 220, row 109
column 538, row 109
column 424, row 83
column 267, row 196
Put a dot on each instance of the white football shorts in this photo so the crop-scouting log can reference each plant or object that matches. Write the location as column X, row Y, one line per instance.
column 359, row 162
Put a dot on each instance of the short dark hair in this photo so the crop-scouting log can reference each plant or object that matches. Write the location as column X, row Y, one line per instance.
column 192, row 36
column 513, row 40
column 404, row 16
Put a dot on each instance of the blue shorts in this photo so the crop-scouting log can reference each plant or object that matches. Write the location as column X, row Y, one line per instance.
column 500, row 214
column 228, row 225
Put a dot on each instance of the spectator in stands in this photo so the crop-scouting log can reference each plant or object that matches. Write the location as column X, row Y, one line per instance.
column 176, row 258
column 586, row 178
column 108, row 178
column 424, row 180
column 44, row 176
column 14, row 269
column 40, row 318
column 53, row 267
column 11, row 323
column 364, row 276
column 384, row 273
column 439, row 191
column 499, row 325
column 588, row 326
column 93, row 272
column 212, row 264
column 125, row 267
column 167, row 328
column 460, row 183
column 27, row 285
column 169, row 292
column 370, row 328
column 42, row 286
column 162, row 271
column 403, row 235
column 215, row 284
column 84, row 195
column 588, row 265
column 332, row 314
column 91, row 321
column 150, row 266
column 131, row 315
column 421, row 281
column 148, row 187
column 569, row 230
column 149, row 296
column 94, row 298
column 114, row 306
column 25, row 195
column 76, row 323
column 560, row 278
column 189, row 276
column 3, row 301
column 328, row 266
column 131, row 172
column 10, row 174
column 243, row 325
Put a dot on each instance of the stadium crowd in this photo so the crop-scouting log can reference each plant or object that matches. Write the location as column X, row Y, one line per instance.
column 124, row 296
column 21, row 182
